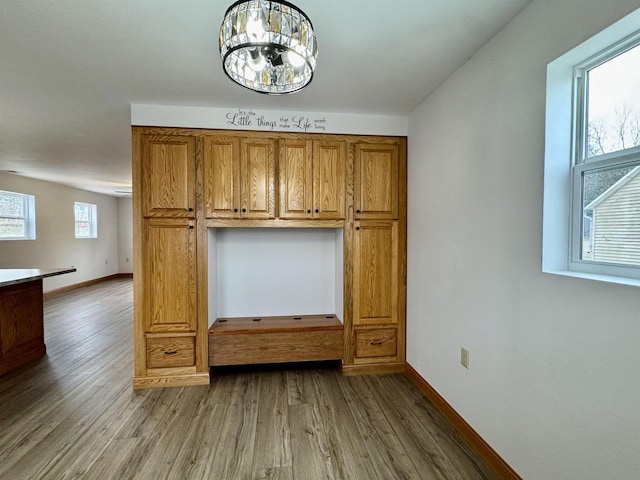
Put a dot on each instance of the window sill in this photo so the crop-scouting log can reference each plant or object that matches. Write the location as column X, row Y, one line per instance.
column 634, row 282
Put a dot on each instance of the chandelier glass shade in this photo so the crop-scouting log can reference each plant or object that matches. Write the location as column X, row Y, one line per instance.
column 269, row 47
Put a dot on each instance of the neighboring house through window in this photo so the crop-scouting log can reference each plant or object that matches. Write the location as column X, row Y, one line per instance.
column 86, row 220
column 592, row 158
column 17, row 216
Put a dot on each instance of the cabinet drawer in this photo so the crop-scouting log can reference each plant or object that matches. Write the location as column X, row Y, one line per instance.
column 376, row 343
column 171, row 352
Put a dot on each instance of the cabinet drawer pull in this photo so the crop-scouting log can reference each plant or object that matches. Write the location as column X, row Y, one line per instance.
column 376, row 343
column 171, row 352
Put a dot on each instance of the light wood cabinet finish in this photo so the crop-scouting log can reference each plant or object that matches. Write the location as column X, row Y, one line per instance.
column 312, row 179
column 189, row 180
column 375, row 280
column 251, row 340
column 171, row 351
column 239, row 177
column 379, row 342
column 376, row 181
column 170, row 275
column 168, row 163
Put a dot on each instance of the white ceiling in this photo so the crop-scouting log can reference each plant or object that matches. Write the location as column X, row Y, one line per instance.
column 69, row 69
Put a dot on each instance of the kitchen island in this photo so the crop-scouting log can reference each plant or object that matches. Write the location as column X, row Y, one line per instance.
column 22, row 315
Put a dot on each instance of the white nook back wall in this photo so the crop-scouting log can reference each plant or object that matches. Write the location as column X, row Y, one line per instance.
column 268, row 272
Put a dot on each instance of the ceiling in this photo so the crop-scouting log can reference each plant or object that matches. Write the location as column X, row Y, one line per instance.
column 69, row 69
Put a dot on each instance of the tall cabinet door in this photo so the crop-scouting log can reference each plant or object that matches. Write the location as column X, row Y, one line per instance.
column 168, row 166
column 221, row 165
column 258, row 176
column 329, row 162
column 376, row 181
column 375, row 279
column 170, row 275
column 295, row 179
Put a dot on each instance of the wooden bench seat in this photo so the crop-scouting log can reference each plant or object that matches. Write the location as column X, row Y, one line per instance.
column 253, row 340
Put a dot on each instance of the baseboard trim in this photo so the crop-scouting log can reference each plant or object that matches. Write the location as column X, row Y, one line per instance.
column 140, row 383
column 87, row 283
column 495, row 461
column 373, row 369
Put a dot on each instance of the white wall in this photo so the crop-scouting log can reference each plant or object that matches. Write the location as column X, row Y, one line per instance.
column 125, row 235
column 55, row 244
column 554, row 382
column 266, row 272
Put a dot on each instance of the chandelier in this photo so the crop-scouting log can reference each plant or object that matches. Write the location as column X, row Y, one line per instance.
column 269, row 47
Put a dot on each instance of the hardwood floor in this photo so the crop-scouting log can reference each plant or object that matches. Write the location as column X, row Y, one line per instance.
column 74, row 414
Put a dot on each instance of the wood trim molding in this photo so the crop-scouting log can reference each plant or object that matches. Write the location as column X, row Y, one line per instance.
column 87, row 283
column 171, row 381
column 373, row 369
column 489, row 455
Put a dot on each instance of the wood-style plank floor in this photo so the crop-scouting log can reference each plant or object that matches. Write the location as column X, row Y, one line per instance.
column 74, row 414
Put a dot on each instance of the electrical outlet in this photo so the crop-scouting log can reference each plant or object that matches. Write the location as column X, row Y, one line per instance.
column 464, row 357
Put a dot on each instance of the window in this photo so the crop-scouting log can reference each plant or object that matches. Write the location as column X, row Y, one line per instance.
column 591, row 222
column 17, row 216
column 86, row 217
column 605, row 212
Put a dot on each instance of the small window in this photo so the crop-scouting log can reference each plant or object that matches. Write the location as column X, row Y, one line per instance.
column 606, row 173
column 86, row 218
column 17, row 216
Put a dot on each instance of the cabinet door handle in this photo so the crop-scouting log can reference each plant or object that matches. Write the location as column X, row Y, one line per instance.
column 357, row 211
column 171, row 352
column 190, row 209
column 309, row 211
column 235, row 209
column 376, row 343
column 357, row 228
column 317, row 210
column 244, row 209
column 191, row 227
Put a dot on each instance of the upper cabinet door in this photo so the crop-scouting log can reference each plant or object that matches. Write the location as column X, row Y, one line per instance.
column 376, row 181
column 221, row 164
column 295, row 179
column 258, row 177
column 168, row 171
column 329, row 162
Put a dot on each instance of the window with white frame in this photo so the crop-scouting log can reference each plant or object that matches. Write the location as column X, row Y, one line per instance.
column 605, row 208
column 86, row 220
column 591, row 214
column 17, row 216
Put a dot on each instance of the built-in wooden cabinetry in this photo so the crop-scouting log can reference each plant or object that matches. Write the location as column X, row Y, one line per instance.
column 312, row 179
column 188, row 180
column 239, row 177
column 376, row 181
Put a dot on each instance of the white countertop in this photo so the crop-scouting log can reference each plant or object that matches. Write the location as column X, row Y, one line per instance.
column 13, row 276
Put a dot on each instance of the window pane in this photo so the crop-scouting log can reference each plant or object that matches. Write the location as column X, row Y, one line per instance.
column 12, row 228
column 613, row 104
column 81, row 212
column 611, row 215
column 83, row 229
column 12, row 205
